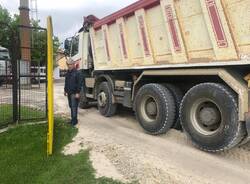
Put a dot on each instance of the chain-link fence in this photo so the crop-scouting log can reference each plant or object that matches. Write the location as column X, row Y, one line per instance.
column 23, row 81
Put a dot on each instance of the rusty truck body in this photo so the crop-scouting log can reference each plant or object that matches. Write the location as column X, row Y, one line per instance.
column 178, row 64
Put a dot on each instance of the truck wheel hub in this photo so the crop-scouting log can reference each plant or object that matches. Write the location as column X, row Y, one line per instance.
column 102, row 99
column 151, row 108
column 206, row 116
column 209, row 116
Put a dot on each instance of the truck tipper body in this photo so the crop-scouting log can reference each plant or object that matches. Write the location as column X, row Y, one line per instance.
column 177, row 64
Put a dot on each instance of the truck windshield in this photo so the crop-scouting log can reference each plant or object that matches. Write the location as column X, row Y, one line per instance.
column 75, row 46
column 4, row 54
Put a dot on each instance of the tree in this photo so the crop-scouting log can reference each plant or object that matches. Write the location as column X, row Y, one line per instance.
column 10, row 24
column 39, row 44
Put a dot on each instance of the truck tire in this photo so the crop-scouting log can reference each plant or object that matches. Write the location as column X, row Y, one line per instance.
column 209, row 116
column 178, row 95
column 83, row 104
column 104, row 100
column 155, row 108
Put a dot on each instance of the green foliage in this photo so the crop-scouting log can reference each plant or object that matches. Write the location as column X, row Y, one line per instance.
column 8, row 27
column 9, row 30
column 23, row 150
column 39, row 43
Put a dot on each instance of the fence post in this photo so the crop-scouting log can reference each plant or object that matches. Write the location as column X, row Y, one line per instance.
column 50, row 86
column 15, row 79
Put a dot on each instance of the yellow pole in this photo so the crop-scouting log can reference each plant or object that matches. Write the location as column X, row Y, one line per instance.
column 50, row 86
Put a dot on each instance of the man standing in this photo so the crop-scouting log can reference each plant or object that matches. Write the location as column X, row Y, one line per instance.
column 72, row 89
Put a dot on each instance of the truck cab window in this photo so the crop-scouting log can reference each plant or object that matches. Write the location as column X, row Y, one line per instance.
column 75, row 46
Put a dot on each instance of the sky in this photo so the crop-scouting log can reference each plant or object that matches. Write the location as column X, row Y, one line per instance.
column 67, row 15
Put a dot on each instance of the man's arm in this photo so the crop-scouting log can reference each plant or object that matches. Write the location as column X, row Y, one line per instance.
column 65, row 86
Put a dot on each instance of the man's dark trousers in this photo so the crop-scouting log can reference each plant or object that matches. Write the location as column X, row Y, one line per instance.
column 73, row 104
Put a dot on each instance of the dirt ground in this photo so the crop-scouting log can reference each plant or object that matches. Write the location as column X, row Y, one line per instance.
column 120, row 149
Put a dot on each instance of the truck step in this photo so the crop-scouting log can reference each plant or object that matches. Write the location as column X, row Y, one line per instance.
column 89, row 96
column 119, row 93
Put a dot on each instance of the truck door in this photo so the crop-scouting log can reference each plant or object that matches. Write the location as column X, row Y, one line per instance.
column 85, row 54
column 75, row 52
column 80, row 50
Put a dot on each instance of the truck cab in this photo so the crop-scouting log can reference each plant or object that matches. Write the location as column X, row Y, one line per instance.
column 78, row 48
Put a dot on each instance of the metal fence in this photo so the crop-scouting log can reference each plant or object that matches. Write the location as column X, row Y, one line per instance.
column 8, row 74
column 6, row 95
column 33, row 82
column 23, row 84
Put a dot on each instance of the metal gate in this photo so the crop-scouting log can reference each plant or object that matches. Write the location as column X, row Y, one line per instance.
column 32, row 83
column 23, row 79
column 8, row 75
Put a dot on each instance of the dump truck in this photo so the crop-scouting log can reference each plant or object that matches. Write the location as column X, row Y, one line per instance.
column 177, row 63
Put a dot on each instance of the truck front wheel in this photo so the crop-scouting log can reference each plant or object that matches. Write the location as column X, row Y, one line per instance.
column 209, row 116
column 83, row 104
column 155, row 108
column 104, row 98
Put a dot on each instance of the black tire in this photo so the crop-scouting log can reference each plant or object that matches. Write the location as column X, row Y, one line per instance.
column 209, row 116
column 108, row 109
column 83, row 103
column 155, row 108
column 178, row 95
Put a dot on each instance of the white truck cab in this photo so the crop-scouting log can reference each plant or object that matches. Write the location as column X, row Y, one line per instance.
column 79, row 50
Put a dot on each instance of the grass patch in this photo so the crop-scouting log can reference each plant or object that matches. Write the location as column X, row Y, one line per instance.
column 6, row 114
column 30, row 113
column 23, row 158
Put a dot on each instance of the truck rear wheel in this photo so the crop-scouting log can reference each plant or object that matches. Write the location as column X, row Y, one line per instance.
column 178, row 95
column 155, row 108
column 104, row 99
column 209, row 116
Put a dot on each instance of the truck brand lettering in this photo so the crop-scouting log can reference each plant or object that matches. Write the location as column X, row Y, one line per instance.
column 216, row 23
column 125, row 54
column 106, row 44
column 143, row 34
column 172, row 27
